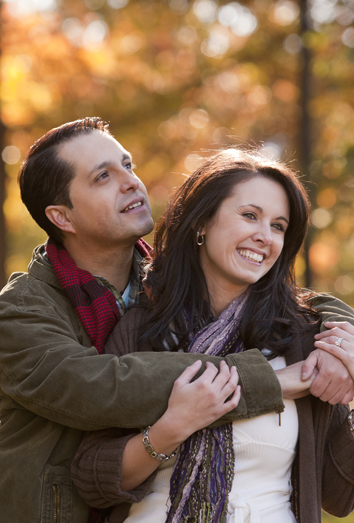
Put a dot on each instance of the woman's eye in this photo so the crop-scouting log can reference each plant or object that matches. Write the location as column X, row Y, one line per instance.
column 249, row 215
column 278, row 226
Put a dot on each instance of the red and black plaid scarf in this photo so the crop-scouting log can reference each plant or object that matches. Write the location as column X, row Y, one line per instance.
column 94, row 304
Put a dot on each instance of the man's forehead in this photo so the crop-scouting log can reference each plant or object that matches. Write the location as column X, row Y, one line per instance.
column 93, row 147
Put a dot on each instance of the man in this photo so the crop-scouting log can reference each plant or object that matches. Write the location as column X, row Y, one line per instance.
column 78, row 183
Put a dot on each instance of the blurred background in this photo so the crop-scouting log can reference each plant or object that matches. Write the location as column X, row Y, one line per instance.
column 177, row 79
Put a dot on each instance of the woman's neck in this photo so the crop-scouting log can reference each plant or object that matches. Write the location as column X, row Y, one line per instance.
column 220, row 298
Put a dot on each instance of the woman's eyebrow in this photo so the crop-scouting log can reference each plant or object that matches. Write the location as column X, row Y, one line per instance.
column 252, row 205
column 261, row 210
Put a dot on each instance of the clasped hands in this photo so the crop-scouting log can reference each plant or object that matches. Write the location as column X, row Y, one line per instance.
column 328, row 372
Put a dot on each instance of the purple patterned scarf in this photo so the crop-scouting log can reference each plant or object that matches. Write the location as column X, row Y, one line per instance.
column 203, row 473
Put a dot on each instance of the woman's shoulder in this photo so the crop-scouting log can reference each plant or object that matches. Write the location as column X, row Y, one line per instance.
column 330, row 308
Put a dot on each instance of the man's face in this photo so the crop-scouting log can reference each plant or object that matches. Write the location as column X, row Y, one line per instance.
column 110, row 203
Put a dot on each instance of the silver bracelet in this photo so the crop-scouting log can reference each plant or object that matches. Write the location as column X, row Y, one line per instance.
column 351, row 420
column 150, row 449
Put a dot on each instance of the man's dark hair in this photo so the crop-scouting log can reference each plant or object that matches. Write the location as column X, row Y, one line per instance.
column 45, row 177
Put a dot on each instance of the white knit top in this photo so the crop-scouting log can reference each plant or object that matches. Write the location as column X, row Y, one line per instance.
column 264, row 453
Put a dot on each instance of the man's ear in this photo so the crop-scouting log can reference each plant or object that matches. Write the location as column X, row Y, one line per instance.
column 58, row 215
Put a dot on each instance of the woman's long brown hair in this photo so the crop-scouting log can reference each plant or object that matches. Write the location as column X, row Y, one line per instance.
column 274, row 314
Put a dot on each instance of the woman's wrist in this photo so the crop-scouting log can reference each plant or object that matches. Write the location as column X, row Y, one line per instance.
column 290, row 381
column 150, row 449
column 165, row 436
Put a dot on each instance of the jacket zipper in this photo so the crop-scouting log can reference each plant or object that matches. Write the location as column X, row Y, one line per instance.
column 279, row 411
column 56, row 490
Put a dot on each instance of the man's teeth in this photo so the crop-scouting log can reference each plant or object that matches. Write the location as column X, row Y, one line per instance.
column 251, row 256
column 138, row 204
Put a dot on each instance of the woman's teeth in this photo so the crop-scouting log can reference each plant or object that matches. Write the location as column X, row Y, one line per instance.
column 251, row 256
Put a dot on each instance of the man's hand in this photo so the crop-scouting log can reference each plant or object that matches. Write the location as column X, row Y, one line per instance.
column 333, row 382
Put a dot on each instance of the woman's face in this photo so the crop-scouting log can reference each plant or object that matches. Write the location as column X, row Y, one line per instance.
column 245, row 237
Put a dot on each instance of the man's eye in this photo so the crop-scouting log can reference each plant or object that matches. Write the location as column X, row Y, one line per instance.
column 102, row 176
column 130, row 166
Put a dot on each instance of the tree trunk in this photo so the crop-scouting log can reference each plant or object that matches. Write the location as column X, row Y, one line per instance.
column 305, row 124
column 2, row 183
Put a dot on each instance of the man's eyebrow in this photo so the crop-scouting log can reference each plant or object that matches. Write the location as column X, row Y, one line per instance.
column 261, row 210
column 127, row 156
column 109, row 163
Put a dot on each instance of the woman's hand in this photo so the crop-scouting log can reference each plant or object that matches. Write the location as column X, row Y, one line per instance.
column 195, row 405
column 338, row 331
column 192, row 406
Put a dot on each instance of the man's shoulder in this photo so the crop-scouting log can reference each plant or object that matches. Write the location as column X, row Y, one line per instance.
column 24, row 291
column 37, row 289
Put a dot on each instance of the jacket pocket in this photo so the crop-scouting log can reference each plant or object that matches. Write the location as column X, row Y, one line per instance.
column 56, row 496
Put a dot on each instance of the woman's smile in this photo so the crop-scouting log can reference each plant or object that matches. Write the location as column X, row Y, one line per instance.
column 251, row 256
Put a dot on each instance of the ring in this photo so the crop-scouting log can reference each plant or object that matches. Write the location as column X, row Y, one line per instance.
column 338, row 342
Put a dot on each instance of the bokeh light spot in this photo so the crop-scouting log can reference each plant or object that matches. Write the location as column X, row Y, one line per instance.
column 321, row 218
column 344, row 285
column 199, row 118
column 11, row 155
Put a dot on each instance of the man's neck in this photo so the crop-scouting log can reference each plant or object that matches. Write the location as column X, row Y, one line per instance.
column 114, row 265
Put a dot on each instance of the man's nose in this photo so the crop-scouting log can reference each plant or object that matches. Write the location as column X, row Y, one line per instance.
column 129, row 183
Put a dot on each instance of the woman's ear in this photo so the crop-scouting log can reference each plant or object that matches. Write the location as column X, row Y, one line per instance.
column 58, row 215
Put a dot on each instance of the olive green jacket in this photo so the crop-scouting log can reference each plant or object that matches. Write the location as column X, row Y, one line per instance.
column 54, row 385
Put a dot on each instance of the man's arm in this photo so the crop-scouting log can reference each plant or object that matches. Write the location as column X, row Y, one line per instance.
column 46, row 370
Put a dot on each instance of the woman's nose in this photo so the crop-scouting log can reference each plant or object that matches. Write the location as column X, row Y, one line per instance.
column 264, row 235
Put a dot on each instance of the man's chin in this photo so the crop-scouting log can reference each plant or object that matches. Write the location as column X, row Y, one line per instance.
column 147, row 228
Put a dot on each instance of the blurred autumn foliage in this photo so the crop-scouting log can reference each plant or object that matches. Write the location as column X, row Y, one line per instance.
column 177, row 78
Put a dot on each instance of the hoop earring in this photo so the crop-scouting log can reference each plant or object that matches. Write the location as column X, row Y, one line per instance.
column 200, row 239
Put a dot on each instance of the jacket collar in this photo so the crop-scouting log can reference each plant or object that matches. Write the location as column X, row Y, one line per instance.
column 41, row 269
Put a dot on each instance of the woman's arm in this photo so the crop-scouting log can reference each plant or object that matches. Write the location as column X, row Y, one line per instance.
column 191, row 407
column 110, row 468
column 338, row 466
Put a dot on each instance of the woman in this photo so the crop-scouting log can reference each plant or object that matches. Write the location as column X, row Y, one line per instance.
column 222, row 281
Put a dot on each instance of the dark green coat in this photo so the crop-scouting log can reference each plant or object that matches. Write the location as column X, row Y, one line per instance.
column 54, row 385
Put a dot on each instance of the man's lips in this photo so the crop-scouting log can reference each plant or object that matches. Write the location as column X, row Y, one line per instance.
column 251, row 255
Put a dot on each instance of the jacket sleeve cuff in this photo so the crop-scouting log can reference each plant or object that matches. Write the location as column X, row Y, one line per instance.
column 97, row 473
column 260, row 388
